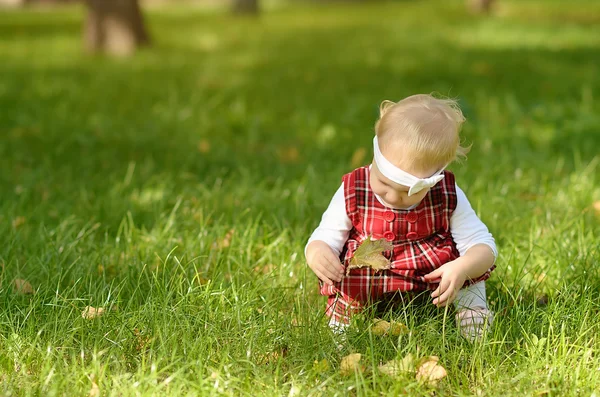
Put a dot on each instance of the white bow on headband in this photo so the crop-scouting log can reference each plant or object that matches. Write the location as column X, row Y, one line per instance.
column 395, row 174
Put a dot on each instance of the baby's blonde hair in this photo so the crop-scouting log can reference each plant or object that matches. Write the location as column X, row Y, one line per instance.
column 424, row 128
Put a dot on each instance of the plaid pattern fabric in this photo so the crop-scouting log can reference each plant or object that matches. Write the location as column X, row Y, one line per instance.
column 421, row 240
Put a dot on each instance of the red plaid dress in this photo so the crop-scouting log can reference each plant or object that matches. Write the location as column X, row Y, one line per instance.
column 421, row 238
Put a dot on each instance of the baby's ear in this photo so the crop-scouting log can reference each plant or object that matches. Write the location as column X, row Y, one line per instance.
column 385, row 106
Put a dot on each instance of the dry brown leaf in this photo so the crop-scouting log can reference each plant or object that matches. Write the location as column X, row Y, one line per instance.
column 296, row 322
column 18, row 221
column 95, row 390
column 225, row 241
column 109, row 270
column 350, row 364
column 266, row 269
column 369, row 254
column 23, row 287
column 91, row 312
column 429, row 371
column 204, row 146
column 273, row 356
column 394, row 328
column 396, row 367
column 358, row 157
column 540, row 277
column 423, row 360
column 288, row 154
column 200, row 280
column 397, row 329
column 142, row 342
column 380, row 327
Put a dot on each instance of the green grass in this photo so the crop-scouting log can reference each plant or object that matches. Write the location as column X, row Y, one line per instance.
column 122, row 178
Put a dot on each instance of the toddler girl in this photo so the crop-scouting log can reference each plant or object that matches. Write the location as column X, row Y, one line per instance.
column 406, row 197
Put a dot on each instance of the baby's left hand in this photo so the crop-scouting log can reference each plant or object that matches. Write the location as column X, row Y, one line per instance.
column 451, row 277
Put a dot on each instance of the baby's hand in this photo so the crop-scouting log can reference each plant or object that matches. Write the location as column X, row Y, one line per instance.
column 324, row 262
column 451, row 277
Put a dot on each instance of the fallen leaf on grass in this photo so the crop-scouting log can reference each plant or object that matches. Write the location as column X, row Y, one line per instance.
column 95, row 390
column 91, row 312
column 429, row 371
column 273, row 356
column 23, row 287
column 18, row 221
column 297, row 322
column 109, row 270
column 597, row 207
column 294, row 391
column 382, row 327
column 225, row 241
column 396, row 367
column 204, row 146
column 200, row 279
column 369, row 254
column 266, row 269
column 288, row 155
column 142, row 342
column 350, row 364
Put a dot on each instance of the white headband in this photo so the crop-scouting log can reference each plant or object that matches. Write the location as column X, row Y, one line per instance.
column 395, row 174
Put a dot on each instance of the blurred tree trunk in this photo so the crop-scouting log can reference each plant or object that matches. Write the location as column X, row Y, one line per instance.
column 480, row 6
column 13, row 3
column 245, row 7
column 115, row 27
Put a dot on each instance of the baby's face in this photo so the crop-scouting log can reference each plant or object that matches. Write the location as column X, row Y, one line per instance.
column 393, row 194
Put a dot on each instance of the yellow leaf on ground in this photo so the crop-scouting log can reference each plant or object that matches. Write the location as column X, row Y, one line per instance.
column 397, row 329
column 295, row 391
column 369, row 254
column 91, row 312
column 225, row 241
column 350, row 364
column 18, row 221
column 428, row 358
column 204, row 146
column 396, row 367
column 23, row 287
column 429, row 371
column 94, row 390
column 597, row 207
column 380, row 327
column 288, row 155
column 200, row 280
column 394, row 328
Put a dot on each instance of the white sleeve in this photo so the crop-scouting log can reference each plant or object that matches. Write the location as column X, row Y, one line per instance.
column 335, row 224
column 467, row 229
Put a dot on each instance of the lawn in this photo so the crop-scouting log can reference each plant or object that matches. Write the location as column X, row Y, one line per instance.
column 176, row 190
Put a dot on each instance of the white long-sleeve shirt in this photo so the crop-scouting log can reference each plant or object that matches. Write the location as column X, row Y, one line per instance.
column 466, row 227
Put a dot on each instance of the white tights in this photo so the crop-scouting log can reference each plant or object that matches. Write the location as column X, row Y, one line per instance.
column 472, row 314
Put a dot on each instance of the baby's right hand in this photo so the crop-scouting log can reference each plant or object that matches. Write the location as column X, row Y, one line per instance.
column 324, row 262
